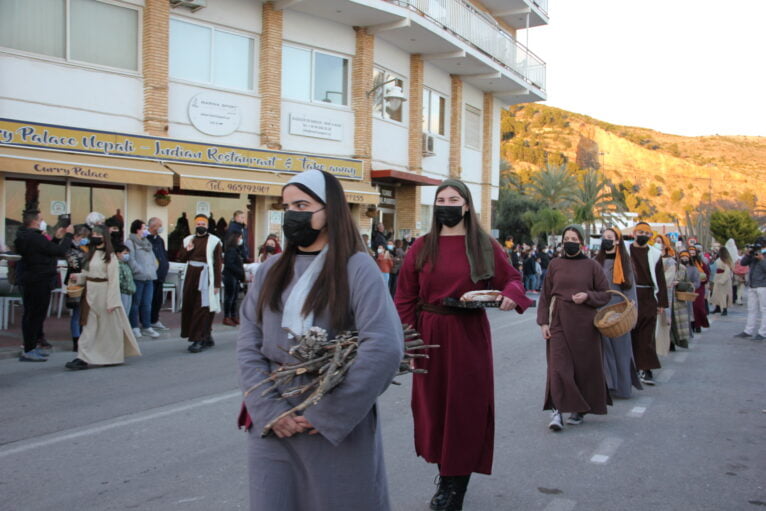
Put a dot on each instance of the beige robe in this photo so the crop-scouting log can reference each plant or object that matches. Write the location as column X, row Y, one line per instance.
column 722, row 294
column 662, row 332
column 107, row 337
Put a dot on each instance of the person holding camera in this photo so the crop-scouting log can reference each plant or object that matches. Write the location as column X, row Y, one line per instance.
column 39, row 257
column 756, row 291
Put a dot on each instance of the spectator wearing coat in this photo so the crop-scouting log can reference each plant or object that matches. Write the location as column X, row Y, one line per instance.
column 144, row 265
column 163, row 265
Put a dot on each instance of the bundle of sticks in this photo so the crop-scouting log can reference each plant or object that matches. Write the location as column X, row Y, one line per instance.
column 326, row 362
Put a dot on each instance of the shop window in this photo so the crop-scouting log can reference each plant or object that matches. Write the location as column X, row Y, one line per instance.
column 202, row 53
column 434, row 113
column 15, row 203
column 425, row 218
column 472, row 135
column 310, row 75
column 382, row 108
column 88, row 31
column 107, row 200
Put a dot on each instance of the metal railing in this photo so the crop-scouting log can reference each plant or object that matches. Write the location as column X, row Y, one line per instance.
column 481, row 31
column 542, row 5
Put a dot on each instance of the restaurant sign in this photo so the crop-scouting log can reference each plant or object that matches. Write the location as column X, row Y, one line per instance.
column 48, row 136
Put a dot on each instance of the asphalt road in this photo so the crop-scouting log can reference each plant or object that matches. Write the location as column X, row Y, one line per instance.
column 158, row 433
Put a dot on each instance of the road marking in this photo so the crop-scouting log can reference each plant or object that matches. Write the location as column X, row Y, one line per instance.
column 125, row 420
column 605, row 450
column 559, row 504
column 680, row 357
column 665, row 375
column 640, row 408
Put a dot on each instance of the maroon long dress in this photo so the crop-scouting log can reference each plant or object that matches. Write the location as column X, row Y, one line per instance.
column 453, row 405
column 699, row 306
column 575, row 380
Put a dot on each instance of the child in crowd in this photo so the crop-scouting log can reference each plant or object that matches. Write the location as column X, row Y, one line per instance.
column 127, row 285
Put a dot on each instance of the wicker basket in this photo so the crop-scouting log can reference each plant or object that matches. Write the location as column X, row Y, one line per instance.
column 618, row 319
column 686, row 296
column 74, row 291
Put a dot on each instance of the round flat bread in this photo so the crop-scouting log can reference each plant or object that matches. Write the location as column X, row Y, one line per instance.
column 482, row 295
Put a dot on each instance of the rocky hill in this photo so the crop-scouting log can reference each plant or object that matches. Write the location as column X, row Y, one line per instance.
column 662, row 176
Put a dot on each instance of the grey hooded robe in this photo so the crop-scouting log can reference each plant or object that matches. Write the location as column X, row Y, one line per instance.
column 342, row 467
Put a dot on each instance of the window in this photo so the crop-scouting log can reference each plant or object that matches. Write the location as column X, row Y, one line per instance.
column 381, row 107
column 434, row 112
column 201, row 53
column 472, row 135
column 310, row 75
column 87, row 31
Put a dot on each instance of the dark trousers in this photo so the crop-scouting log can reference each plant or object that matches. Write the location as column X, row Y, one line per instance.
column 37, row 297
column 157, row 295
column 230, row 295
column 392, row 283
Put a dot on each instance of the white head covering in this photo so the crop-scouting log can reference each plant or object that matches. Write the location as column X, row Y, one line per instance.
column 94, row 218
column 313, row 180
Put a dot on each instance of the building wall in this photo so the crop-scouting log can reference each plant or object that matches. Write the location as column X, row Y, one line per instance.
column 73, row 95
column 390, row 138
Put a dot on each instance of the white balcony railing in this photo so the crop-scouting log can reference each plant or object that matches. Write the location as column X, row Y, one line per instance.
column 542, row 5
column 481, row 31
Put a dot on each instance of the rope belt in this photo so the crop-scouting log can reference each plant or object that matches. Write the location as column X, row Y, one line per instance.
column 204, row 282
column 641, row 286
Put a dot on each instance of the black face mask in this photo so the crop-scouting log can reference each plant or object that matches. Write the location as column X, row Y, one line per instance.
column 96, row 241
column 684, row 261
column 201, row 231
column 270, row 249
column 448, row 215
column 571, row 248
column 297, row 228
column 607, row 245
column 642, row 240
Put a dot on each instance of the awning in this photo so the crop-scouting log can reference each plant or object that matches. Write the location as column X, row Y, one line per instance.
column 253, row 182
column 82, row 166
column 403, row 176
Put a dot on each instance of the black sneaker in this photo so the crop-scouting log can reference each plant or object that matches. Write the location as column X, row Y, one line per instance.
column 76, row 365
column 646, row 377
column 758, row 337
column 575, row 419
column 195, row 347
column 743, row 335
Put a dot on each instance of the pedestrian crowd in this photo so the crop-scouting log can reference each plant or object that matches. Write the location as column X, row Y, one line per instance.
column 115, row 284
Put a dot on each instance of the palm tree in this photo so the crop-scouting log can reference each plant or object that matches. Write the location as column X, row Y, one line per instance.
column 554, row 186
column 594, row 199
column 546, row 221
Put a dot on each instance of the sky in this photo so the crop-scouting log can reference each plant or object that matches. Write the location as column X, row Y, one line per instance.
column 686, row 67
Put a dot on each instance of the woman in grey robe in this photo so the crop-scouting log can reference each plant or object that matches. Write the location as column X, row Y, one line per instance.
column 681, row 327
column 330, row 457
column 619, row 366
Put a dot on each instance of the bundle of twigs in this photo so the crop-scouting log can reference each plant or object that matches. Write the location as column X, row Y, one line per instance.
column 327, row 361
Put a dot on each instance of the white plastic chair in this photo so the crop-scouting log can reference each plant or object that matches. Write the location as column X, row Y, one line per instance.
column 169, row 287
column 59, row 294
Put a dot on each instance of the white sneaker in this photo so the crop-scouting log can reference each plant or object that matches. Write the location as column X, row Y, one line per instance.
column 159, row 326
column 151, row 332
column 136, row 333
column 556, row 424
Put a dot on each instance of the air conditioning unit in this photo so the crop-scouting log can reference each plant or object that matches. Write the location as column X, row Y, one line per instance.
column 428, row 145
column 191, row 4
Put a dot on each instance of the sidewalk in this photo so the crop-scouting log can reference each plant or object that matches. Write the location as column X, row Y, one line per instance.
column 59, row 335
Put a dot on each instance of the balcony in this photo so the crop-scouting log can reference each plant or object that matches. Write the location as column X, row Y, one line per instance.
column 519, row 13
column 478, row 29
column 452, row 35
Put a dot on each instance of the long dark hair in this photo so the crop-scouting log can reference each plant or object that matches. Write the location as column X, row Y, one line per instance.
column 624, row 258
column 108, row 250
column 473, row 231
column 331, row 286
column 230, row 241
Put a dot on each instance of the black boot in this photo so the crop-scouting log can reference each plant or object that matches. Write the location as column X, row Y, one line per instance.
column 459, row 486
column 442, row 495
column 195, row 347
column 74, row 343
column 725, row 312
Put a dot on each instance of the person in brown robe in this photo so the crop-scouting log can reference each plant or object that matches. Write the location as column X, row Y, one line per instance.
column 574, row 288
column 200, row 302
column 652, row 294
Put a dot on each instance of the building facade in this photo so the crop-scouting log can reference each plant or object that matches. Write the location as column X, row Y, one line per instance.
column 105, row 102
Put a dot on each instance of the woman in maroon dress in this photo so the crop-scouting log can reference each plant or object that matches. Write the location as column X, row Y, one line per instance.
column 453, row 405
column 575, row 286
column 699, row 307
